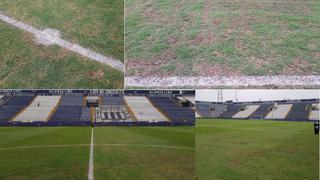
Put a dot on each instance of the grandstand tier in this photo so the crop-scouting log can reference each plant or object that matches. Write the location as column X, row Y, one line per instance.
column 172, row 110
column 298, row 112
column 262, row 111
column 279, row 111
column 143, row 109
column 290, row 110
column 231, row 110
column 40, row 109
column 112, row 109
column 314, row 112
column 13, row 105
column 246, row 112
column 69, row 109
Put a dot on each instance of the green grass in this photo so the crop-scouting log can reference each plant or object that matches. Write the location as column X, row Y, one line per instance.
column 246, row 149
column 134, row 158
column 246, row 38
column 97, row 25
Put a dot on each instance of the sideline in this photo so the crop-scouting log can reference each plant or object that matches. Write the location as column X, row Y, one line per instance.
column 215, row 81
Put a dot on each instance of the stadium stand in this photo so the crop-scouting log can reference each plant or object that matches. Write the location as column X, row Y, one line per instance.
column 3, row 99
column 314, row 112
column 231, row 110
column 85, row 114
column 112, row 109
column 13, row 105
column 298, row 112
column 96, row 108
column 203, row 109
column 39, row 110
column 262, row 111
column 290, row 110
column 192, row 99
column 172, row 110
column 246, row 112
column 143, row 109
column 70, row 109
column 279, row 111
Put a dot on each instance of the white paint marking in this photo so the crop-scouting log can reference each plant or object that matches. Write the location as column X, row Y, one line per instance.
column 218, row 81
column 52, row 36
column 90, row 171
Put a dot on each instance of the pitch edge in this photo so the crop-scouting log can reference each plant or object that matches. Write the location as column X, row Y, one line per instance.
column 216, row 81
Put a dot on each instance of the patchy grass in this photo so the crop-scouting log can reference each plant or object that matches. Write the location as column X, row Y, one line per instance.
column 23, row 64
column 121, row 162
column 251, row 149
column 187, row 37
column 97, row 25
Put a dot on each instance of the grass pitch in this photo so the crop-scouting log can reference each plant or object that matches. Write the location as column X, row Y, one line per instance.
column 119, row 152
column 97, row 25
column 222, row 37
column 246, row 149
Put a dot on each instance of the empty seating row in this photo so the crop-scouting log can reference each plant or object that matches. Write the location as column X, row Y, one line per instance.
column 113, row 101
column 12, row 106
column 203, row 108
column 262, row 111
column 39, row 110
column 143, row 110
column 298, row 112
column 172, row 110
column 246, row 112
column 112, row 114
column 231, row 110
column 69, row 109
column 85, row 114
column 315, row 112
column 279, row 111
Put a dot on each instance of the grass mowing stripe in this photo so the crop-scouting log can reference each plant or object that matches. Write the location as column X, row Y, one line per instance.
column 90, row 171
column 91, row 145
column 251, row 149
column 46, row 146
column 149, row 146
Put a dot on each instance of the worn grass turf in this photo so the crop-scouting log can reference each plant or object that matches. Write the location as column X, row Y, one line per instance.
column 218, row 37
column 97, row 25
column 110, row 161
column 245, row 149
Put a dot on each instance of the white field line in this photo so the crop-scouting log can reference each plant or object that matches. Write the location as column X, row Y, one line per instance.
column 51, row 36
column 82, row 145
column 90, row 171
column 216, row 81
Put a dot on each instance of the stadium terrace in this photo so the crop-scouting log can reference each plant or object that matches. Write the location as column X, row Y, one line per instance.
column 96, row 107
column 285, row 110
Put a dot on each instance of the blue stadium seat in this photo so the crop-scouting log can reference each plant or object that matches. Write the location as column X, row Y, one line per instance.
column 170, row 107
